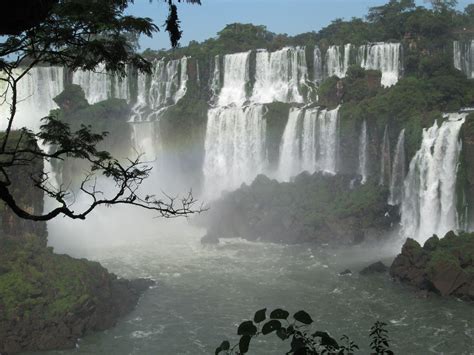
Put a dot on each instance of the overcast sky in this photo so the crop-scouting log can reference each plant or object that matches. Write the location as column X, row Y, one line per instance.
column 280, row 16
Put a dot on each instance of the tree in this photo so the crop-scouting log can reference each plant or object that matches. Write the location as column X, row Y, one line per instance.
column 76, row 34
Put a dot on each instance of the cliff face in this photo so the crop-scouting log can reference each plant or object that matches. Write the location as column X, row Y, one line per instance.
column 29, row 198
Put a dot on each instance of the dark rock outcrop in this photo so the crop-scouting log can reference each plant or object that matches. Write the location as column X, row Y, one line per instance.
column 312, row 208
column 442, row 266
column 375, row 268
column 48, row 301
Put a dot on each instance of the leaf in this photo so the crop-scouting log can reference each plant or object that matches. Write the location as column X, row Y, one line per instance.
column 247, row 328
column 303, row 317
column 282, row 334
column 225, row 345
column 327, row 340
column 279, row 314
column 260, row 315
column 271, row 326
column 244, row 344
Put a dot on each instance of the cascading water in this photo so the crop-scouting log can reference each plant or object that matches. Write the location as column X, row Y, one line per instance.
column 36, row 91
column 429, row 200
column 234, row 147
column 385, row 160
column 279, row 75
column 337, row 62
column 384, row 57
column 318, row 66
column 310, row 145
column 289, row 164
column 216, row 79
column 463, row 52
column 236, row 78
column 363, row 169
column 398, row 171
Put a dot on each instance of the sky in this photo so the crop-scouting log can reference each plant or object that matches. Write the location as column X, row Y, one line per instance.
column 280, row 16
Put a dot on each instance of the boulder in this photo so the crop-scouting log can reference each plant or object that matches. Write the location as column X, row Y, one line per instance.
column 442, row 266
column 375, row 268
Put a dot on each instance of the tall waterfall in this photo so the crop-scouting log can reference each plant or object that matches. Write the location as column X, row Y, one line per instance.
column 385, row 159
column 36, row 91
column 429, row 199
column 216, row 79
column 337, row 61
column 234, row 147
column 279, row 75
column 464, row 57
column 398, row 171
column 318, row 65
column 310, row 142
column 384, row 57
column 236, row 78
column 363, row 169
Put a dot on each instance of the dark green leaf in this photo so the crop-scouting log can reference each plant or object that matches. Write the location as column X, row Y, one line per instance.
column 247, row 328
column 327, row 340
column 225, row 345
column 270, row 326
column 244, row 344
column 279, row 314
column 303, row 317
column 282, row 334
column 260, row 315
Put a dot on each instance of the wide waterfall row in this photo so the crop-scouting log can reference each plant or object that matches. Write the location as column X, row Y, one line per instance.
column 385, row 57
column 279, row 76
column 36, row 91
column 429, row 198
column 310, row 142
column 463, row 52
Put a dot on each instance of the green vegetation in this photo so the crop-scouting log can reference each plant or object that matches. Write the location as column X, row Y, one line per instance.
column 304, row 339
column 312, row 208
column 35, row 280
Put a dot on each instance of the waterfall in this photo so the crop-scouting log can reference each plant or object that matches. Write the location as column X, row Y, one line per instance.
column 384, row 57
column 234, row 147
column 310, row 142
column 464, row 57
column 363, row 152
column 318, row 65
column 289, row 164
column 95, row 83
column 236, row 78
column 385, row 159
column 398, row 171
column 36, row 91
column 279, row 75
column 429, row 199
column 216, row 79
column 337, row 62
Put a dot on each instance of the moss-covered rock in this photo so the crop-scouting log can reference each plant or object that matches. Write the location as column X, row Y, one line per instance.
column 312, row 208
column 48, row 301
column 442, row 266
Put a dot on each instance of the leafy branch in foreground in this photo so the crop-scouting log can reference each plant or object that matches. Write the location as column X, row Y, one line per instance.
column 82, row 144
column 303, row 340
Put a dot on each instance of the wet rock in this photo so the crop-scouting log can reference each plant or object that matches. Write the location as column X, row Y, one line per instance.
column 375, row 268
column 346, row 272
column 441, row 266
